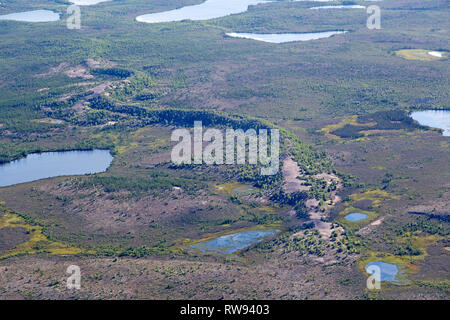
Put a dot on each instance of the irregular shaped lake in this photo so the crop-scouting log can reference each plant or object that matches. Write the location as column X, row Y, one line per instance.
column 339, row 7
column 356, row 216
column 231, row 243
column 434, row 118
column 87, row 2
column 388, row 271
column 284, row 37
column 32, row 16
column 38, row 166
column 210, row 9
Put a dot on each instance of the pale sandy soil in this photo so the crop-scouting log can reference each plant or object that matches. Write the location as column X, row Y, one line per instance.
column 316, row 215
column 78, row 107
column 98, row 90
column 367, row 229
column 377, row 222
column 78, row 72
column 91, row 63
column 291, row 172
column 72, row 72
column 101, row 87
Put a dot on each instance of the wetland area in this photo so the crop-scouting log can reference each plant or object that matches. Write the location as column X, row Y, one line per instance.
column 87, row 177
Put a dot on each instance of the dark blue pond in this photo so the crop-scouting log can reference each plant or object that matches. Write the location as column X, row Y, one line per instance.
column 38, row 166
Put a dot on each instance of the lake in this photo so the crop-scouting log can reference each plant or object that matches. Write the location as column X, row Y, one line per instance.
column 356, row 216
column 32, row 16
column 209, row 9
column 388, row 271
column 284, row 37
column 38, row 166
column 434, row 118
column 339, row 7
column 231, row 243
column 87, row 2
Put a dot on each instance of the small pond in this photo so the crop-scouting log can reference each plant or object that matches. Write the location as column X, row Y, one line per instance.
column 388, row 271
column 356, row 216
column 230, row 243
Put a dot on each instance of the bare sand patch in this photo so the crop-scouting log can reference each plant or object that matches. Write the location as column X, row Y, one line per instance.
column 291, row 172
column 78, row 72
column 328, row 177
column 377, row 222
column 318, row 215
column 324, row 228
column 79, row 106
column 369, row 227
column 91, row 63
column 101, row 87
column 65, row 68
